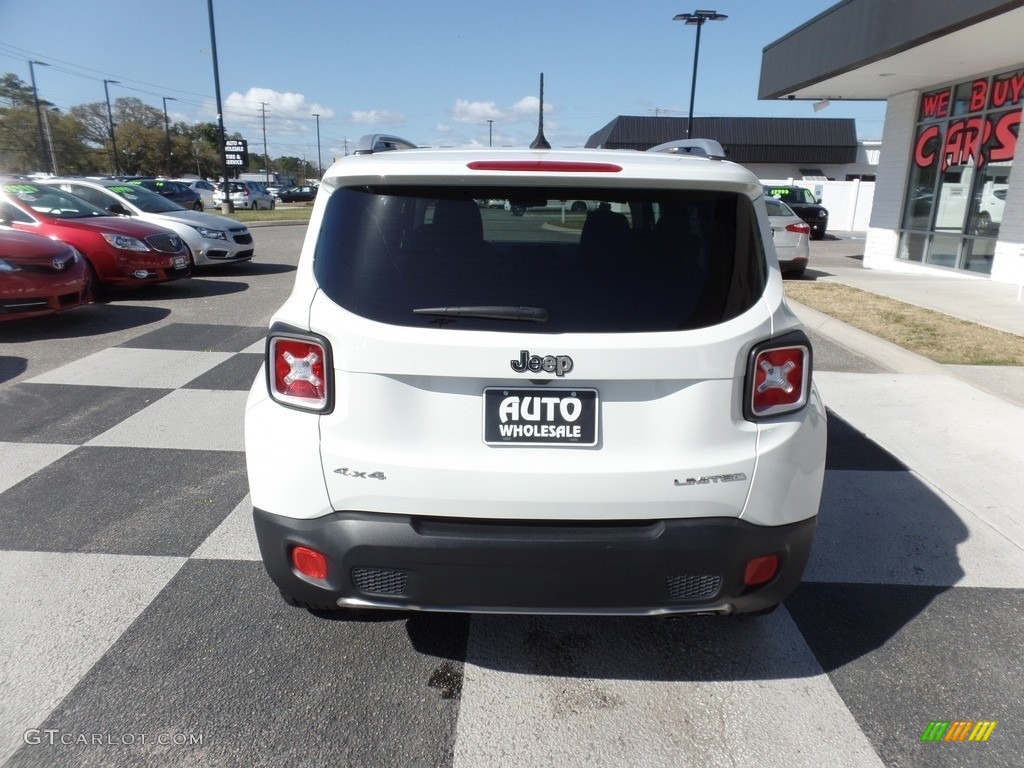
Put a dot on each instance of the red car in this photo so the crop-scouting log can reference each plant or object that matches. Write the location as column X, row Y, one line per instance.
column 39, row 276
column 119, row 252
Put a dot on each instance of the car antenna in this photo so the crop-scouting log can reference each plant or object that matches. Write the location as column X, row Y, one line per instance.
column 540, row 142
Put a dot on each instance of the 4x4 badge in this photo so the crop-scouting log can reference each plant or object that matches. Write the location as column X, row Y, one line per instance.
column 556, row 364
column 355, row 473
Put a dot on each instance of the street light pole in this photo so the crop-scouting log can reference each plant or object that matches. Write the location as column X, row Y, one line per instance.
column 167, row 131
column 39, row 114
column 319, row 170
column 697, row 19
column 490, row 133
column 226, row 205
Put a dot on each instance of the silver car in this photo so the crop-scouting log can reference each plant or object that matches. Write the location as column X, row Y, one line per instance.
column 248, row 195
column 791, row 235
column 211, row 239
column 203, row 187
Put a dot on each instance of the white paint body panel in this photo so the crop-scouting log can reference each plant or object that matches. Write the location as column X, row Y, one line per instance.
column 408, row 401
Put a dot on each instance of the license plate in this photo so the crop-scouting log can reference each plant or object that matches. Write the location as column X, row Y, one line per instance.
column 540, row 416
column 180, row 262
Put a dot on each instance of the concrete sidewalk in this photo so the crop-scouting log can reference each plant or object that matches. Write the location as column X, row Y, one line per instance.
column 977, row 299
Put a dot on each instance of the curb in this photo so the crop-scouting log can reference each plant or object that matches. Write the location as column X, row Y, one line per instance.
column 280, row 223
column 899, row 360
column 883, row 352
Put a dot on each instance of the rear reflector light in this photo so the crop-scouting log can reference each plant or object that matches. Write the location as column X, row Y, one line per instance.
column 801, row 228
column 543, row 166
column 298, row 371
column 761, row 570
column 309, row 563
column 778, row 377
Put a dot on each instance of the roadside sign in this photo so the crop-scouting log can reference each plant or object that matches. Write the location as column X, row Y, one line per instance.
column 237, row 153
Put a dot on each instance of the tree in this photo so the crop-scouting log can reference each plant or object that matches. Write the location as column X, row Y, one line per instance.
column 78, row 141
column 16, row 93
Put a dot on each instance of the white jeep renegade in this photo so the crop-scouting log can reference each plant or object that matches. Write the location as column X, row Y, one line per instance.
column 597, row 409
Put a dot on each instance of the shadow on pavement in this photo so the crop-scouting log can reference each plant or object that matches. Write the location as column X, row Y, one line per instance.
column 11, row 367
column 191, row 288
column 90, row 320
column 241, row 269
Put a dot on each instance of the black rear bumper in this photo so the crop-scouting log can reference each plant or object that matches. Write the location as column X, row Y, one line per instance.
column 601, row 568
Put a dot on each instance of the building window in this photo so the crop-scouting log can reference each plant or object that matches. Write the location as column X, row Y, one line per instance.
column 963, row 152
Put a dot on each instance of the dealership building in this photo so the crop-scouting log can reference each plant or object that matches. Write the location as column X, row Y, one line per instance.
column 952, row 74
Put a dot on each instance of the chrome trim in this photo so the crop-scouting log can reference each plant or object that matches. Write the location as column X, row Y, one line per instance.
column 358, row 602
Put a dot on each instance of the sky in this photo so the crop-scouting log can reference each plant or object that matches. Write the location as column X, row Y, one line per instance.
column 432, row 71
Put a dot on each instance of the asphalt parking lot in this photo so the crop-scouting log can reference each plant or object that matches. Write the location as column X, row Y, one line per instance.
column 139, row 627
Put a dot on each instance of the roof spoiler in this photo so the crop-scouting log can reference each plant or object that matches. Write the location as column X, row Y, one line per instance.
column 710, row 148
column 381, row 142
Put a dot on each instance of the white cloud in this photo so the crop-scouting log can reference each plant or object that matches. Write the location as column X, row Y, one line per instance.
column 524, row 110
column 288, row 106
column 529, row 106
column 466, row 111
column 376, row 117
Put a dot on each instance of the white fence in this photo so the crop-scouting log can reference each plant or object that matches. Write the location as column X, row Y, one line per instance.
column 848, row 202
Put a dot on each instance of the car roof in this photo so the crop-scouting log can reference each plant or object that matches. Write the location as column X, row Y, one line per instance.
column 550, row 167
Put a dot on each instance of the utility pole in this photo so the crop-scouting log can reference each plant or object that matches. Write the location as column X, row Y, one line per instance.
column 266, row 157
column 319, row 168
column 49, row 139
column 39, row 114
column 110, row 126
column 167, row 131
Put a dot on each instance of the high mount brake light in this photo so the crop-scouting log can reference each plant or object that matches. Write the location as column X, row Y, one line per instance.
column 778, row 377
column 543, row 166
column 298, row 371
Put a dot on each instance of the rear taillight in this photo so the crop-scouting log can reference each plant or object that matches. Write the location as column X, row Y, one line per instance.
column 299, row 371
column 800, row 229
column 778, row 376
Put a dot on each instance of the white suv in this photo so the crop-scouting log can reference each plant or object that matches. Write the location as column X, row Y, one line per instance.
column 463, row 410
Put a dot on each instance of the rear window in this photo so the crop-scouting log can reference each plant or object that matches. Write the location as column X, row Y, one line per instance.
column 541, row 261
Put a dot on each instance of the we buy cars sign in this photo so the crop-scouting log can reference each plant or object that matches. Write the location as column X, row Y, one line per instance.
column 237, row 152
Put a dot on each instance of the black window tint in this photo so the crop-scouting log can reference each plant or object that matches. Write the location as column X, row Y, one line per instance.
column 94, row 196
column 593, row 260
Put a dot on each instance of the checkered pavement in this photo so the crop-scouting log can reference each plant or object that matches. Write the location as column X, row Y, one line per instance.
column 139, row 628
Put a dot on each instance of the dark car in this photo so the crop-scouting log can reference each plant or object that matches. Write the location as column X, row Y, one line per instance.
column 179, row 192
column 39, row 276
column 805, row 205
column 297, row 194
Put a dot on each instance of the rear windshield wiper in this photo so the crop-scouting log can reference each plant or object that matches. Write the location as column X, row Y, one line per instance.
column 528, row 314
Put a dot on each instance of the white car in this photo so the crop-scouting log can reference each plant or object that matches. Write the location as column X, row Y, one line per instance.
column 521, row 205
column 791, row 235
column 211, row 239
column 467, row 412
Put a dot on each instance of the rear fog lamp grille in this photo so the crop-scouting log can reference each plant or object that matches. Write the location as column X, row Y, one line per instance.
column 380, row 582
column 698, row 586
